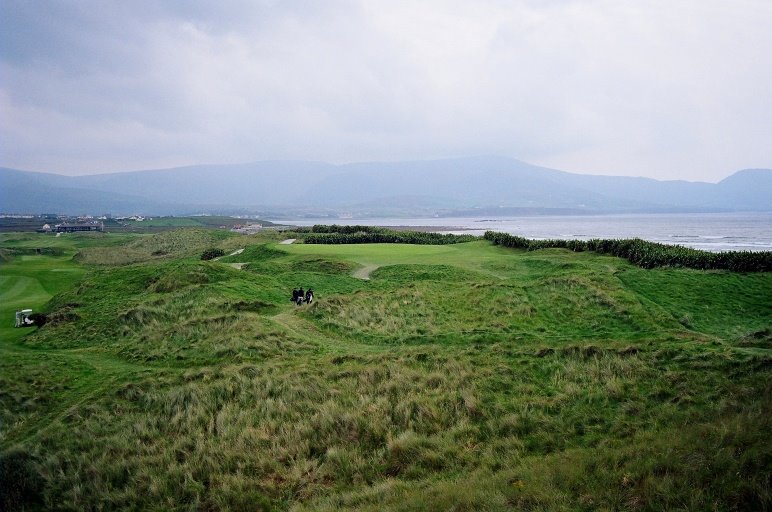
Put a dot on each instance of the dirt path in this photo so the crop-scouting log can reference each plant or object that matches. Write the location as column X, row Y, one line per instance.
column 302, row 329
column 238, row 266
column 364, row 272
column 287, row 241
column 234, row 253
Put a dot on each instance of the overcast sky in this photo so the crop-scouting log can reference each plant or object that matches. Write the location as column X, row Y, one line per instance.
column 671, row 89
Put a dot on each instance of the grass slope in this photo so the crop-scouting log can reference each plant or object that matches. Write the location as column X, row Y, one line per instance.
column 464, row 377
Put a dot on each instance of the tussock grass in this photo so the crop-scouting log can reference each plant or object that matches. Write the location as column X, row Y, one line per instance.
column 180, row 243
column 463, row 377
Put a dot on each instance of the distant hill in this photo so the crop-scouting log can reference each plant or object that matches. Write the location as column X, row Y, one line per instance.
column 30, row 192
column 431, row 187
column 750, row 187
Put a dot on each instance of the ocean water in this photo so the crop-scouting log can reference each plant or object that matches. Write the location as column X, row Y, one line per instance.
column 706, row 231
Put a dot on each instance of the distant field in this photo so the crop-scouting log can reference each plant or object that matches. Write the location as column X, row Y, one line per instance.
column 208, row 221
column 148, row 225
column 454, row 377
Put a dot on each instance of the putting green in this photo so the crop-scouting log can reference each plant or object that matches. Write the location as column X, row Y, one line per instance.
column 16, row 291
column 471, row 256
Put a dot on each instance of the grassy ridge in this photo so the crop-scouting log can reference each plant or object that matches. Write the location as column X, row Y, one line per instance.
column 462, row 376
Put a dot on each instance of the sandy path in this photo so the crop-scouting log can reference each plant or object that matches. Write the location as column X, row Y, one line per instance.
column 287, row 241
column 234, row 265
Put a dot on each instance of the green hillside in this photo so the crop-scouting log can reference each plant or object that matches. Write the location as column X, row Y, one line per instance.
column 424, row 377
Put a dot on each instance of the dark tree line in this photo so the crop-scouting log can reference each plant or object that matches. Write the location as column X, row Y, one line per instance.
column 335, row 228
column 376, row 235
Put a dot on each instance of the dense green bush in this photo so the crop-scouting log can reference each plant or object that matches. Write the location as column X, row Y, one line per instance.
column 334, row 228
column 335, row 234
column 385, row 236
column 647, row 254
column 210, row 254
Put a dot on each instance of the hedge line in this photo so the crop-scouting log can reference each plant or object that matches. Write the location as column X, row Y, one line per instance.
column 24, row 251
column 335, row 228
column 647, row 254
column 385, row 236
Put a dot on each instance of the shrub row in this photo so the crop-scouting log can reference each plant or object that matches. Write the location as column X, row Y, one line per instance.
column 24, row 251
column 384, row 236
column 647, row 254
column 335, row 228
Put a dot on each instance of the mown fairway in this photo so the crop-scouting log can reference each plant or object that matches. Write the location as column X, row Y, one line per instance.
column 455, row 377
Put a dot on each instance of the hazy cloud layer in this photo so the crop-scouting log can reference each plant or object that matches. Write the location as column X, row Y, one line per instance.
column 666, row 89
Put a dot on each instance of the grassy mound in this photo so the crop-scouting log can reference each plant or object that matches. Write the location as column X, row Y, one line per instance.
column 167, row 244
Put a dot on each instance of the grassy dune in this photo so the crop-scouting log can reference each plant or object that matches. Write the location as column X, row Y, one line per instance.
column 457, row 377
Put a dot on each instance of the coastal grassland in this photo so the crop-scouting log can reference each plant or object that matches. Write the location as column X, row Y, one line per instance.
column 159, row 224
column 159, row 246
column 464, row 377
column 184, row 222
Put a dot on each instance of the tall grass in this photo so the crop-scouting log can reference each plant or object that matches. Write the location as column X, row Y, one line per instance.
column 470, row 379
column 164, row 245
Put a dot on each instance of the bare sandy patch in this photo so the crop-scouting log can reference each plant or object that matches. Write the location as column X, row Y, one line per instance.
column 364, row 272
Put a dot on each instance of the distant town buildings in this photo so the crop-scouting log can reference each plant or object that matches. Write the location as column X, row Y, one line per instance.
column 247, row 229
column 136, row 218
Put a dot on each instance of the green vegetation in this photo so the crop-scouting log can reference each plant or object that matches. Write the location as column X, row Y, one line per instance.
column 464, row 376
column 154, row 247
column 157, row 224
column 129, row 225
column 210, row 254
column 648, row 254
column 335, row 234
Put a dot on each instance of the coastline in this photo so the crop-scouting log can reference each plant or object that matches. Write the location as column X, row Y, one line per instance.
column 715, row 232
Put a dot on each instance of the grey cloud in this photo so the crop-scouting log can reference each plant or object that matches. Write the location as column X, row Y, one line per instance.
column 663, row 89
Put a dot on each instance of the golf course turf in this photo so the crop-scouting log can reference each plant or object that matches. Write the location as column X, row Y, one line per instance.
column 465, row 376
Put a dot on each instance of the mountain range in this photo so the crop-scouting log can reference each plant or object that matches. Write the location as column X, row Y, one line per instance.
column 469, row 186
